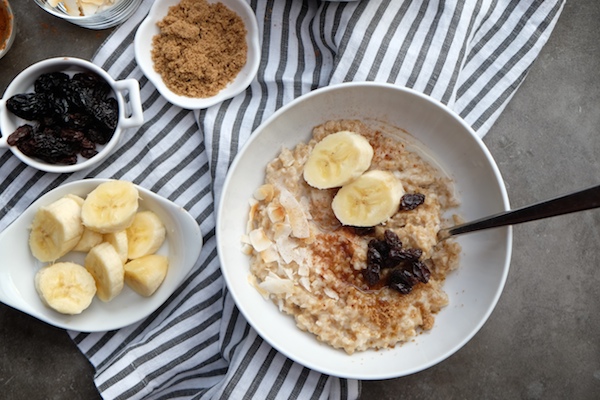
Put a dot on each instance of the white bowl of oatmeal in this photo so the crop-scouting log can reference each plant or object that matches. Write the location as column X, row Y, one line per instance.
column 198, row 53
column 306, row 292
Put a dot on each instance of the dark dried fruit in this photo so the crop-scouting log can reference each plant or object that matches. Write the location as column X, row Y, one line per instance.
column 371, row 274
column 29, row 106
column 412, row 254
column 421, row 272
column 387, row 253
column 23, row 132
column 411, row 201
column 51, row 82
column 72, row 115
column 402, row 280
column 364, row 231
column 392, row 239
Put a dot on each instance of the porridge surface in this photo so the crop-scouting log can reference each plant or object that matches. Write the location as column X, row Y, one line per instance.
column 310, row 265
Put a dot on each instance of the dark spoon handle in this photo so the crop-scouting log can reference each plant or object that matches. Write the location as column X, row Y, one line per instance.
column 577, row 201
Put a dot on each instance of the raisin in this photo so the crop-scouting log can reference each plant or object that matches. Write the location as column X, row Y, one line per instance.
column 21, row 133
column 371, row 274
column 392, row 239
column 412, row 254
column 402, row 280
column 411, row 201
column 380, row 245
column 420, row 271
column 374, row 257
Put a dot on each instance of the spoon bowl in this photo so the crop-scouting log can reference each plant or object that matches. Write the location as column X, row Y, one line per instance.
column 18, row 268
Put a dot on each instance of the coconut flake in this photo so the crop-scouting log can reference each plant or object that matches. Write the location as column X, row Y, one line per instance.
column 298, row 220
column 276, row 285
column 259, row 240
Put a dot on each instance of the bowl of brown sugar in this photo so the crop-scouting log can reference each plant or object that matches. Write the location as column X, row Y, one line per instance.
column 198, row 53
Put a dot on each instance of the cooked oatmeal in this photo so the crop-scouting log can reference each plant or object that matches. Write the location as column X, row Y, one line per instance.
column 312, row 267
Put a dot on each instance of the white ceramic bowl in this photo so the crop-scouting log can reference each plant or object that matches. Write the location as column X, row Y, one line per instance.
column 473, row 289
column 18, row 268
column 130, row 110
column 105, row 19
column 143, row 49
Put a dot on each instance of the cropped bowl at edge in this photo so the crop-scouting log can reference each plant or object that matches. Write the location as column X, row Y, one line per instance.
column 473, row 289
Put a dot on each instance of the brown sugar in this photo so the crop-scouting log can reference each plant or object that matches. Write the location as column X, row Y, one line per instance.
column 200, row 49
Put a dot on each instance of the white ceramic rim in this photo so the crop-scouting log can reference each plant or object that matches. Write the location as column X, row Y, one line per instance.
column 143, row 45
column 296, row 354
column 28, row 76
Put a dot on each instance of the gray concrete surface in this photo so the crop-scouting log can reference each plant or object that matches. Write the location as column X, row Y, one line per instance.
column 543, row 339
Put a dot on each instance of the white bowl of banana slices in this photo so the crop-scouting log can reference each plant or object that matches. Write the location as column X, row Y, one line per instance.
column 284, row 235
column 96, row 255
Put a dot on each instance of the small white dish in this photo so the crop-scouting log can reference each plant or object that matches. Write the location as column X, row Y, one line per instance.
column 473, row 289
column 131, row 114
column 18, row 268
column 143, row 49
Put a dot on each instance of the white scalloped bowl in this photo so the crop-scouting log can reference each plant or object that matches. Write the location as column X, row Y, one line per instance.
column 473, row 289
column 143, row 54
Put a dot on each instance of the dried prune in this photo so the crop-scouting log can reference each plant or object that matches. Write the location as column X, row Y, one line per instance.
column 78, row 120
column 23, row 132
column 93, row 82
column 107, row 112
column 51, row 82
column 29, row 106
column 410, row 201
column 72, row 115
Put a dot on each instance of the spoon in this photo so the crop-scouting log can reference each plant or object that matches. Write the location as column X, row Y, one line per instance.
column 18, row 267
column 577, row 201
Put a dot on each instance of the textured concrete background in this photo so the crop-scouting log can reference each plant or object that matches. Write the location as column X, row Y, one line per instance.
column 543, row 339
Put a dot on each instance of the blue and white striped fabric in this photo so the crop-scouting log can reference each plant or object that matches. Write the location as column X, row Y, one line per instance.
column 470, row 54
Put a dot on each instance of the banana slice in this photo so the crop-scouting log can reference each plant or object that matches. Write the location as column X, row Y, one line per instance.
column 119, row 242
column 55, row 229
column 110, row 207
column 337, row 160
column 65, row 287
column 145, row 235
column 145, row 274
column 88, row 240
column 106, row 267
column 369, row 200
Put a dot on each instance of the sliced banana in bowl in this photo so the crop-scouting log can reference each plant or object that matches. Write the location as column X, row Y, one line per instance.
column 27, row 283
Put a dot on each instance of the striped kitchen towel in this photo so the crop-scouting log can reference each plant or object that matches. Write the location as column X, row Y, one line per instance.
column 470, row 54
